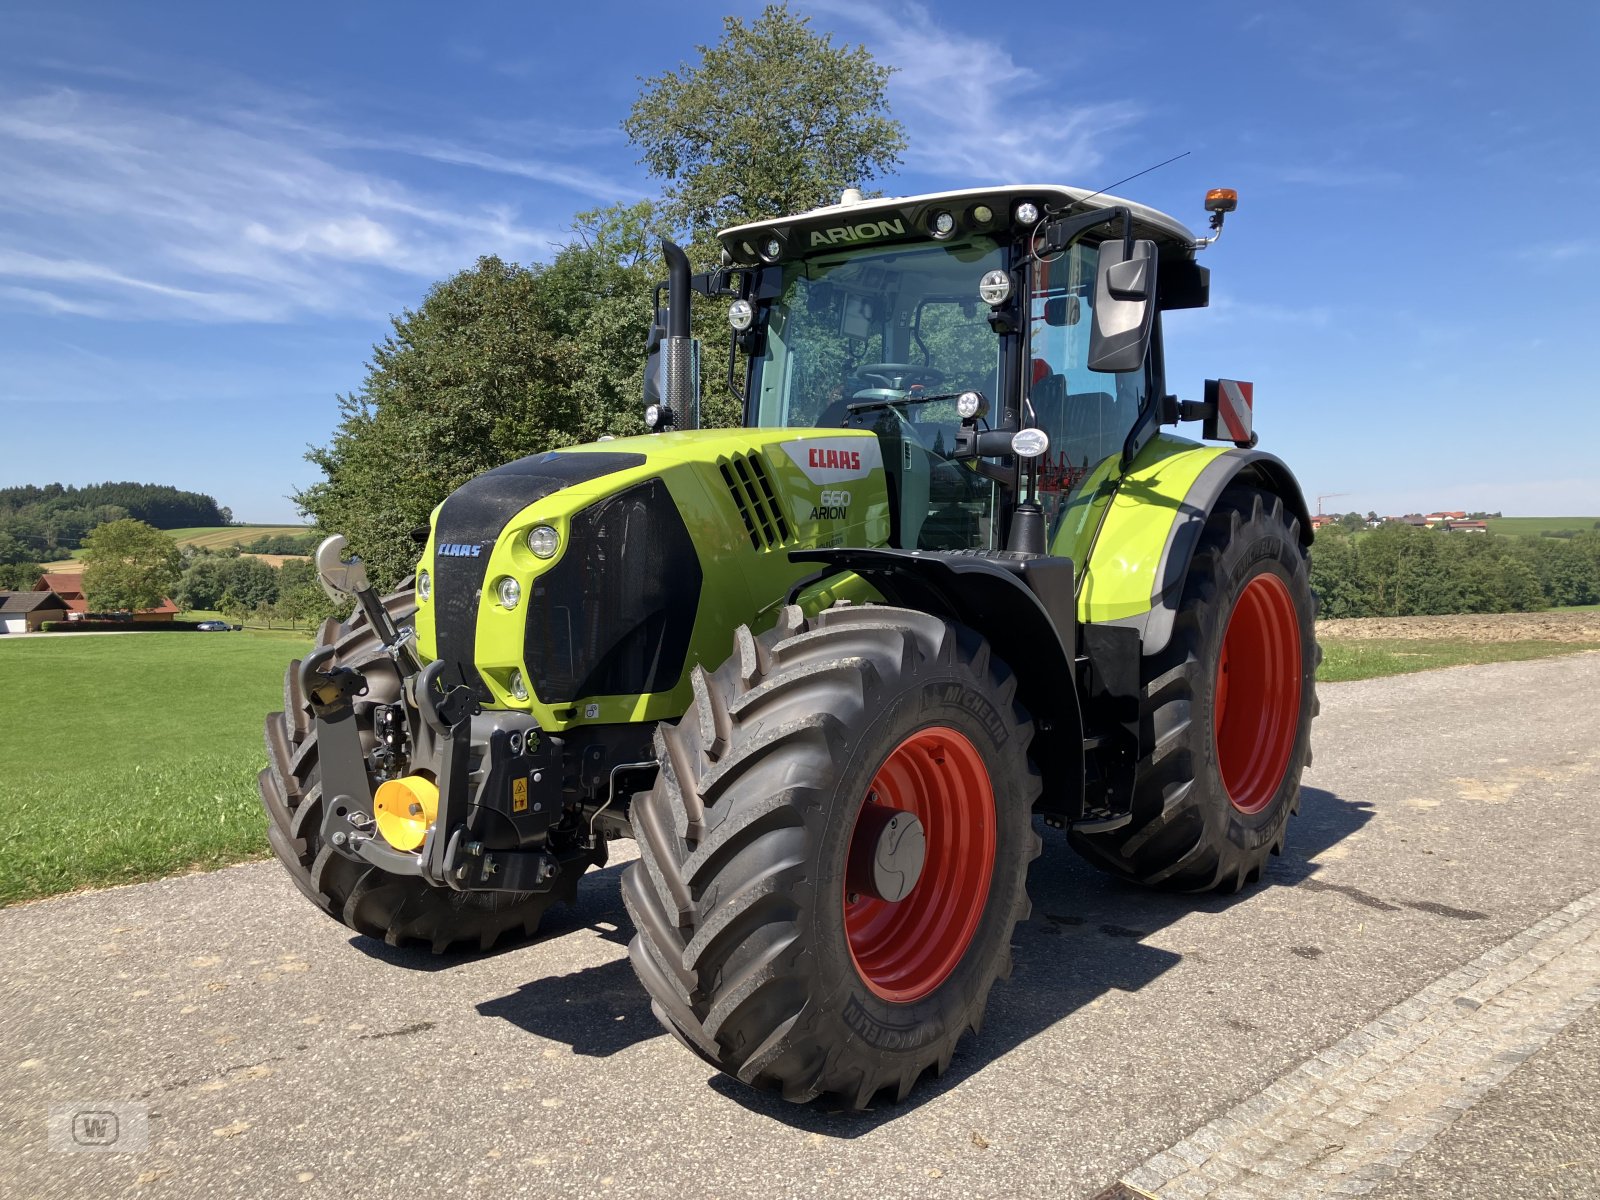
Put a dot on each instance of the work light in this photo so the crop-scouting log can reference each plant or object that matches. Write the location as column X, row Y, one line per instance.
column 1030, row 443
column 424, row 587
column 509, row 591
column 994, row 288
column 740, row 314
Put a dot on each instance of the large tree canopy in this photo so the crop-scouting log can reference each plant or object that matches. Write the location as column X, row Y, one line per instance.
column 498, row 362
column 774, row 119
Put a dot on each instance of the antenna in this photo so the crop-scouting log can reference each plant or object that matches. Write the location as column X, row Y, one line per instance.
column 1129, row 178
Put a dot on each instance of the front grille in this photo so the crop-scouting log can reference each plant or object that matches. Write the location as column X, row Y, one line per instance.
column 750, row 485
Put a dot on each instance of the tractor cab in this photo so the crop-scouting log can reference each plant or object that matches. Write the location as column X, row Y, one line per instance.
column 947, row 324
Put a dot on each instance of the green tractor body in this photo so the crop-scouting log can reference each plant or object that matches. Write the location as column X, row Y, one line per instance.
column 826, row 668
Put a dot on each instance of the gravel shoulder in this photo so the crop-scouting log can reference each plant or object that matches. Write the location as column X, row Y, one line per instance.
column 1559, row 625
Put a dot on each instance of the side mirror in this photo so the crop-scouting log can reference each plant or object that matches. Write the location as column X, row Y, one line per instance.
column 1124, row 306
column 1061, row 311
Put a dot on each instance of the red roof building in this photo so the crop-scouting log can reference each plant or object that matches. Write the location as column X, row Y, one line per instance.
column 69, row 586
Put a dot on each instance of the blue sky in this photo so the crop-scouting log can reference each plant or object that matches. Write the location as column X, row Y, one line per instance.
column 208, row 211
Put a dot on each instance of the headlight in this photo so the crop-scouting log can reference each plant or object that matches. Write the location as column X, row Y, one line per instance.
column 1027, row 213
column 510, row 591
column 424, row 587
column 519, row 686
column 994, row 287
column 652, row 415
column 543, row 541
column 971, row 404
column 1030, row 443
column 740, row 314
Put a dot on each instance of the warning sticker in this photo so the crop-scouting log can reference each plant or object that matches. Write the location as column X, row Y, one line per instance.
column 519, row 795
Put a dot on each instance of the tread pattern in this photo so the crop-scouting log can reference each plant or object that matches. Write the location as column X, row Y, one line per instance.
column 725, row 892
column 398, row 909
column 1184, row 835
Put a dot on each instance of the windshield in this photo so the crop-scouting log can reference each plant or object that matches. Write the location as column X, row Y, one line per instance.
column 882, row 339
column 874, row 325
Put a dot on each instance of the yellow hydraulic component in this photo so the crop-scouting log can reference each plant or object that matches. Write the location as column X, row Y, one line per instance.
column 404, row 808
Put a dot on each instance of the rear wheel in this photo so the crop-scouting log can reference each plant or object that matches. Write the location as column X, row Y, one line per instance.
column 835, row 852
column 1226, row 709
column 396, row 908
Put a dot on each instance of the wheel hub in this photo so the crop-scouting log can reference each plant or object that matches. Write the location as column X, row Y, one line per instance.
column 886, row 853
column 919, row 864
column 1256, row 705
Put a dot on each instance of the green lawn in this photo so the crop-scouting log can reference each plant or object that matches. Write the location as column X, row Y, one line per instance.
column 1368, row 658
column 130, row 756
column 1534, row 526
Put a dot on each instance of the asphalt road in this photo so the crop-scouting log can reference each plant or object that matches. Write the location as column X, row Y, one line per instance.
column 275, row 1054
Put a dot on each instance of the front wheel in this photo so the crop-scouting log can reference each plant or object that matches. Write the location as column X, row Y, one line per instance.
column 835, row 852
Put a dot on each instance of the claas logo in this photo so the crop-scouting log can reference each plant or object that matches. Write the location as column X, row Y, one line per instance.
column 843, row 460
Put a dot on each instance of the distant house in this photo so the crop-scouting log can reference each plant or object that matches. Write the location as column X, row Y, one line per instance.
column 1321, row 521
column 1440, row 518
column 69, row 587
column 1416, row 520
column 1465, row 526
column 24, row 612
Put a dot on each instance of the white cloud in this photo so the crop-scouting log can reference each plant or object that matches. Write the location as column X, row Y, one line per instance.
column 184, row 208
column 972, row 111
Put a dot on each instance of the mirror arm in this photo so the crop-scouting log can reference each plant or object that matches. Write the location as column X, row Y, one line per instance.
column 1061, row 233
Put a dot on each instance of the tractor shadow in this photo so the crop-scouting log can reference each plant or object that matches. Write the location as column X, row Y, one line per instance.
column 596, row 1010
column 1084, row 939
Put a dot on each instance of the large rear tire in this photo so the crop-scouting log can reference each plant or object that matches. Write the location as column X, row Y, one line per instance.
column 765, row 940
column 1226, row 710
column 396, row 908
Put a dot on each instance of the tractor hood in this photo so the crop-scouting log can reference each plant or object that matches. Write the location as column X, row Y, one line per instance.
column 583, row 583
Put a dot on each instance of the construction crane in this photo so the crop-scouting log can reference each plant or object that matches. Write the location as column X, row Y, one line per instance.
column 1327, row 496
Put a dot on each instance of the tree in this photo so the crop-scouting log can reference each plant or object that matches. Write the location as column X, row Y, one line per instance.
column 774, row 119
column 251, row 581
column 129, row 565
column 499, row 362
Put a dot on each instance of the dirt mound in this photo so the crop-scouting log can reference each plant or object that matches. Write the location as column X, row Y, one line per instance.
column 1556, row 626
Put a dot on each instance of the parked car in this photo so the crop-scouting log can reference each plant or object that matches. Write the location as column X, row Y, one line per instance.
column 214, row 626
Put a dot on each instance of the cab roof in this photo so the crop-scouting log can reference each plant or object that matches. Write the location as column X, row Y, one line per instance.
column 895, row 218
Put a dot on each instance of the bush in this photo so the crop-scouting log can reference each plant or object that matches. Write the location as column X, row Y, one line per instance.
column 1400, row 571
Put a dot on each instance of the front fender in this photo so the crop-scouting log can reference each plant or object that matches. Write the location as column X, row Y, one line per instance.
column 1024, row 608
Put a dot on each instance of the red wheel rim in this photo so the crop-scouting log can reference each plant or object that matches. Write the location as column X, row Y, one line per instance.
column 1258, row 693
column 904, row 950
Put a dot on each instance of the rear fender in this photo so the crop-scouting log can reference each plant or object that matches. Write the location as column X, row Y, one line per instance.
column 1141, row 556
column 1024, row 609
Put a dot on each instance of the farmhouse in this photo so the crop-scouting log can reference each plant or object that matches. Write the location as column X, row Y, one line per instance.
column 68, row 585
column 24, row 612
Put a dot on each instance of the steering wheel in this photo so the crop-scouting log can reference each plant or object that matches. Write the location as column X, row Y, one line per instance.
column 909, row 374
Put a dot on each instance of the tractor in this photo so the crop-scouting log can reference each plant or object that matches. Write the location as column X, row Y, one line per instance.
column 953, row 575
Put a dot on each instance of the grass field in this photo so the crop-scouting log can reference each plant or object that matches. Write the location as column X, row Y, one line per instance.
column 215, row 537
column 1367, row 658
column 212, row 537
column 131, row 756
column 1534, row 526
